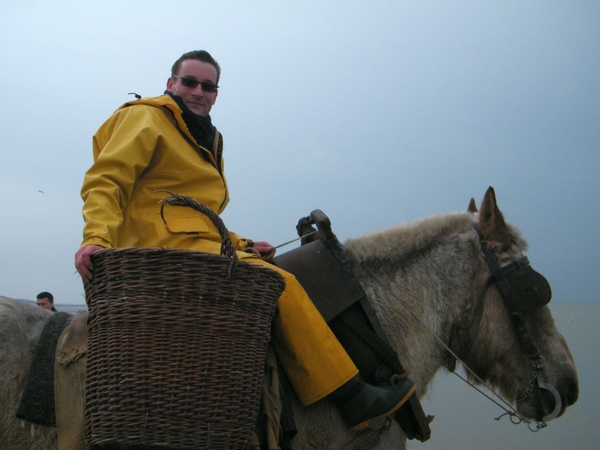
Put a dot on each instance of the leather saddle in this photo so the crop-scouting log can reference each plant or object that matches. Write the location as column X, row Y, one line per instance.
column 321, row 266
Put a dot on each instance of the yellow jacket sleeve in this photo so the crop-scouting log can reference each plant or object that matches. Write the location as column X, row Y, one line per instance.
column 123, row 148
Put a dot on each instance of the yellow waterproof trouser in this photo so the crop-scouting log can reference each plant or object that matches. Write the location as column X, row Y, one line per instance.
column 312, row 357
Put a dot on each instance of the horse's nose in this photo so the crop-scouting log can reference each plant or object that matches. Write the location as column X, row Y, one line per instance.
column 568, row 387
column 572, row 392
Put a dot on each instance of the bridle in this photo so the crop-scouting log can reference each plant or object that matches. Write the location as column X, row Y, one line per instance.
column 523, row 291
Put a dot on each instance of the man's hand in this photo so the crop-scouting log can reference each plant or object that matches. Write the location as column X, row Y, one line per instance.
column 83, row 262
column 265, row 250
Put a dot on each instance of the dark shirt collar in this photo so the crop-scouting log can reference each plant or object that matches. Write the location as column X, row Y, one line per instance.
column 201, row 127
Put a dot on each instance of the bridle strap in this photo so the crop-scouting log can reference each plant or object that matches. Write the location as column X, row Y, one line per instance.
column 498, row 276
column 507, row 296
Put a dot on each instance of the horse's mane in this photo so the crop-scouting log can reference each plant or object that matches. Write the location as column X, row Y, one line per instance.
column 413, row 236
column 407, row 238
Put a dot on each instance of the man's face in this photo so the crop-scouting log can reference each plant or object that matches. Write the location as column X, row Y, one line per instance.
column 44, row 303
column 198, row 100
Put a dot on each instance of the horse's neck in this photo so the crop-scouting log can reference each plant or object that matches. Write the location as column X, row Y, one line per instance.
column 422, row 291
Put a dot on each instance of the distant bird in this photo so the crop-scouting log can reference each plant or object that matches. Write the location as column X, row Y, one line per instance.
column 41, row 191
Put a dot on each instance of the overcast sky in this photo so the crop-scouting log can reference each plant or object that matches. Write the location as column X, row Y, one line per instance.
column 376, row 112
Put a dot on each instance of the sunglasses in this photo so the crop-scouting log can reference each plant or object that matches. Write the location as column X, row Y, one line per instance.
column 192, row 84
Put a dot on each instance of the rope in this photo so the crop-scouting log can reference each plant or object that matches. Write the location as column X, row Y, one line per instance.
column 296, row 239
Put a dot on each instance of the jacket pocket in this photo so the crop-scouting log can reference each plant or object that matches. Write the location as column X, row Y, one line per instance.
column 183, row 220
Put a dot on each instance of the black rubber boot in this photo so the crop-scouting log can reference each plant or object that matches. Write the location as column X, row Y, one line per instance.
column 360, row 403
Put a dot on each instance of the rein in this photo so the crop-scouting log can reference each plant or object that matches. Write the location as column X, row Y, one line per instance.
column 509, row 410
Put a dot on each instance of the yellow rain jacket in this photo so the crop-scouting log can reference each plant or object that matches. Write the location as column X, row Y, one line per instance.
column 146, row 146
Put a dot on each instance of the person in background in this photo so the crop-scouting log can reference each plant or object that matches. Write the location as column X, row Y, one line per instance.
column 169, row 142
column 45, row 300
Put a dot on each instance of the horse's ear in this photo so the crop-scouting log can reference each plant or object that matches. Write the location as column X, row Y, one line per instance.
column 472, row 206
column 492, row 222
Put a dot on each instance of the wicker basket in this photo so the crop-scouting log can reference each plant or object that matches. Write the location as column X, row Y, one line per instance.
column 176, row 346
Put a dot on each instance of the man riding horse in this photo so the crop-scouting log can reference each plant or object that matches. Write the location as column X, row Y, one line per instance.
column 169, row 143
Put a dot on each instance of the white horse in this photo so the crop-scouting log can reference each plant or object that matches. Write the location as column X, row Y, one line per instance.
column 428, row 282
column 425, row 281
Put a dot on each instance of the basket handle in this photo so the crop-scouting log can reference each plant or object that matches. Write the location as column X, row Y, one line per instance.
column 227, row 248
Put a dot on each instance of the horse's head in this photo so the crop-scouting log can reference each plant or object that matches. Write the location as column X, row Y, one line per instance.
column 516, row 346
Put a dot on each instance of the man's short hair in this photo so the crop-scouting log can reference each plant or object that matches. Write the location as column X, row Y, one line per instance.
column 200, row 55
column 47, row 295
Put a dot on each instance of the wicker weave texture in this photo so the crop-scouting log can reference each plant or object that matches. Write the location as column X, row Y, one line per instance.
column 176, row 349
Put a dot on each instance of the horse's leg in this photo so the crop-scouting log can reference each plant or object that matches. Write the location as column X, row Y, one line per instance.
column 69, row 384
